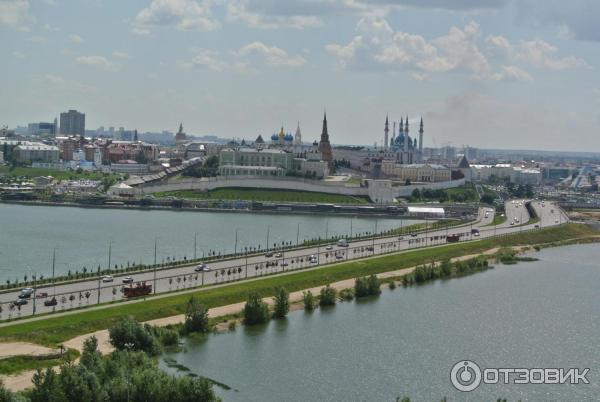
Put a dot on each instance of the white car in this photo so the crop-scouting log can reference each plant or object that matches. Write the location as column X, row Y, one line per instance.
column 313, row 259
column 107, row 278
column 330, row 247
column 278, row 255
column 202, row 268
column 128, row 279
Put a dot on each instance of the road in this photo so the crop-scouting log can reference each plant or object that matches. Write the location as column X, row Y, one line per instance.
column 82, row 293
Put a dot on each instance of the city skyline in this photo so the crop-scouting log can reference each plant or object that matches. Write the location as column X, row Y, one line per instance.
column 481, row 72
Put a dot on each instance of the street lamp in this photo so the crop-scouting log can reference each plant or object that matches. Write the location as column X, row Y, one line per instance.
column 236, row 239
column 298, row 235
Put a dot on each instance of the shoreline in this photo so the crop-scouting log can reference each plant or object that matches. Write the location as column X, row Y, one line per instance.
column 22, row 380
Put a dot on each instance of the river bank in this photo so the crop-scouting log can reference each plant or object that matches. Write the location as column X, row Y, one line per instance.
column 233, row 310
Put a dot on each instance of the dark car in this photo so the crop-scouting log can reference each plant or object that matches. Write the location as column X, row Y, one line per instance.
column 20, row 302
column 51, row 302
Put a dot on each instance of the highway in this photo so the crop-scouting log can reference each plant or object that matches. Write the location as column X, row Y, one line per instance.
column 84, row 293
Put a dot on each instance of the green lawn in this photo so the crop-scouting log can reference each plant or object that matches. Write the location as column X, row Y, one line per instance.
column 499, row 218
column 258, row 194
column 57, row 174
column 52, row 331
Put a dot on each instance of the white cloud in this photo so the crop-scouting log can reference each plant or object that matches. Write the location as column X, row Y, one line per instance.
column 512, row 73
column 18, row 55
column 180, row 14
column 536, row 52
column 14, row 13
column 207, row 60
column 76, row 39
column 121, row 55
column 377, row 42
column 239, row 11
column 99, row 62
column 273, row 56
column 60, row 83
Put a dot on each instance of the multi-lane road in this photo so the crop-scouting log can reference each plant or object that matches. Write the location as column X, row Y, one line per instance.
column 82, row 293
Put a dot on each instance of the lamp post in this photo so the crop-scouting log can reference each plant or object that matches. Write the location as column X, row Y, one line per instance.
column 109, row 253
column 298, row 235
column 351, row 227
column 268, row 232
column 195, row 241
column 374, row 234
column 154, row 273
column 246, row 251
column 236, row 239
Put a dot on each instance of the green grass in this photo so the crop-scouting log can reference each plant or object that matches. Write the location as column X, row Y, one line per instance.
column 57, row 174
column 499, row 218
column 52, row 331
column 17, row 364
column 464, row 193
column 258, row 194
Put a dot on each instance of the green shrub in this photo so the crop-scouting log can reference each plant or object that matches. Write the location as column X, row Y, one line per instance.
column 347, row 294
column 327, row 297
column 256, row 311
column 282, row 303
column 131, row 335
column 309, row 300
column 196, row 317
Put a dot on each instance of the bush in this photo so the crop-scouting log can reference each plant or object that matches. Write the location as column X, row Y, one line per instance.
column 282, row 303
column 256, row 311
column 347, row 294
column 392, row 285
column 196, row 317
column 367, row 286
column 328, row 295
column 131, row 335
column 309, row 300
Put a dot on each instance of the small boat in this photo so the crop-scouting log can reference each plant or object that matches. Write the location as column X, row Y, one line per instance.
column 139, row 289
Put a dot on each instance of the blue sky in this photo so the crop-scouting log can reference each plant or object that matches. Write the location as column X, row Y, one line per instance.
column 489, row 73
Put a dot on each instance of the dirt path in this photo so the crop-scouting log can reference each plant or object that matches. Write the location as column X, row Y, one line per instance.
column 11, row 349
column 23, row 380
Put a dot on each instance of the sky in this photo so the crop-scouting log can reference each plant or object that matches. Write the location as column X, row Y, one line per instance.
column 514, row 74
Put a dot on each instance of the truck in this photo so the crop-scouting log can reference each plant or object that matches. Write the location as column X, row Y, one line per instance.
column 139, row 289
column 454, row 238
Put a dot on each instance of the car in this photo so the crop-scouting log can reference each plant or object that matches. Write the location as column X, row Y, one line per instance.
column 370, row 248
column 537, row 226
column 40, row 295
column 330, row 247
column 476, row 234
column 313, row 259
column 512, row 223
column 201, row 268
column 413, row 235
column 400, row 238
column 268, row 254
column 339, row 256
column 107, row 278
column 284, row 264
column 128, row 279
column 278, row 255
column 50, row 302
column 342, row 243
column 26, row 293
column 556, row 221
column 20, row 302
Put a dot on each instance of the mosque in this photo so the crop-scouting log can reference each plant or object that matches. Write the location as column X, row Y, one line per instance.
column 402, row 148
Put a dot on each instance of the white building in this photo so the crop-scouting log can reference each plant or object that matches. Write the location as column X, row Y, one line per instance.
column 36, row 152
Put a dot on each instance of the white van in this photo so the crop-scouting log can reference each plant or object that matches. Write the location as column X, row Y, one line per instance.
column 342, row 243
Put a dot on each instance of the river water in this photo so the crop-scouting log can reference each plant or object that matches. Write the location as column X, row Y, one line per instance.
column 28, row 235
column 543, row 314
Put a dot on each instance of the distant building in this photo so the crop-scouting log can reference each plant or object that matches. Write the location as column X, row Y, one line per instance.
column 41, row 129
column 180, row 137
column 417, row 172
column 72, row 123
column 324, row 145
column 36, row 153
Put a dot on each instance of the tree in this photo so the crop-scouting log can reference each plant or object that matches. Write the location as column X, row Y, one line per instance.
column 328, row 295
column 282, row 303
column 416, row 194
column 309, row 300
column 129, row 334
column 256, row 310
column 196, row 316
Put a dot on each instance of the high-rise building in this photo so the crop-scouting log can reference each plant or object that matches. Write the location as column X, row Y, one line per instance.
column 72, row 123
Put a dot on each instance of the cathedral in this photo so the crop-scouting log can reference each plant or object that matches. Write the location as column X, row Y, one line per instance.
column 402, row 148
